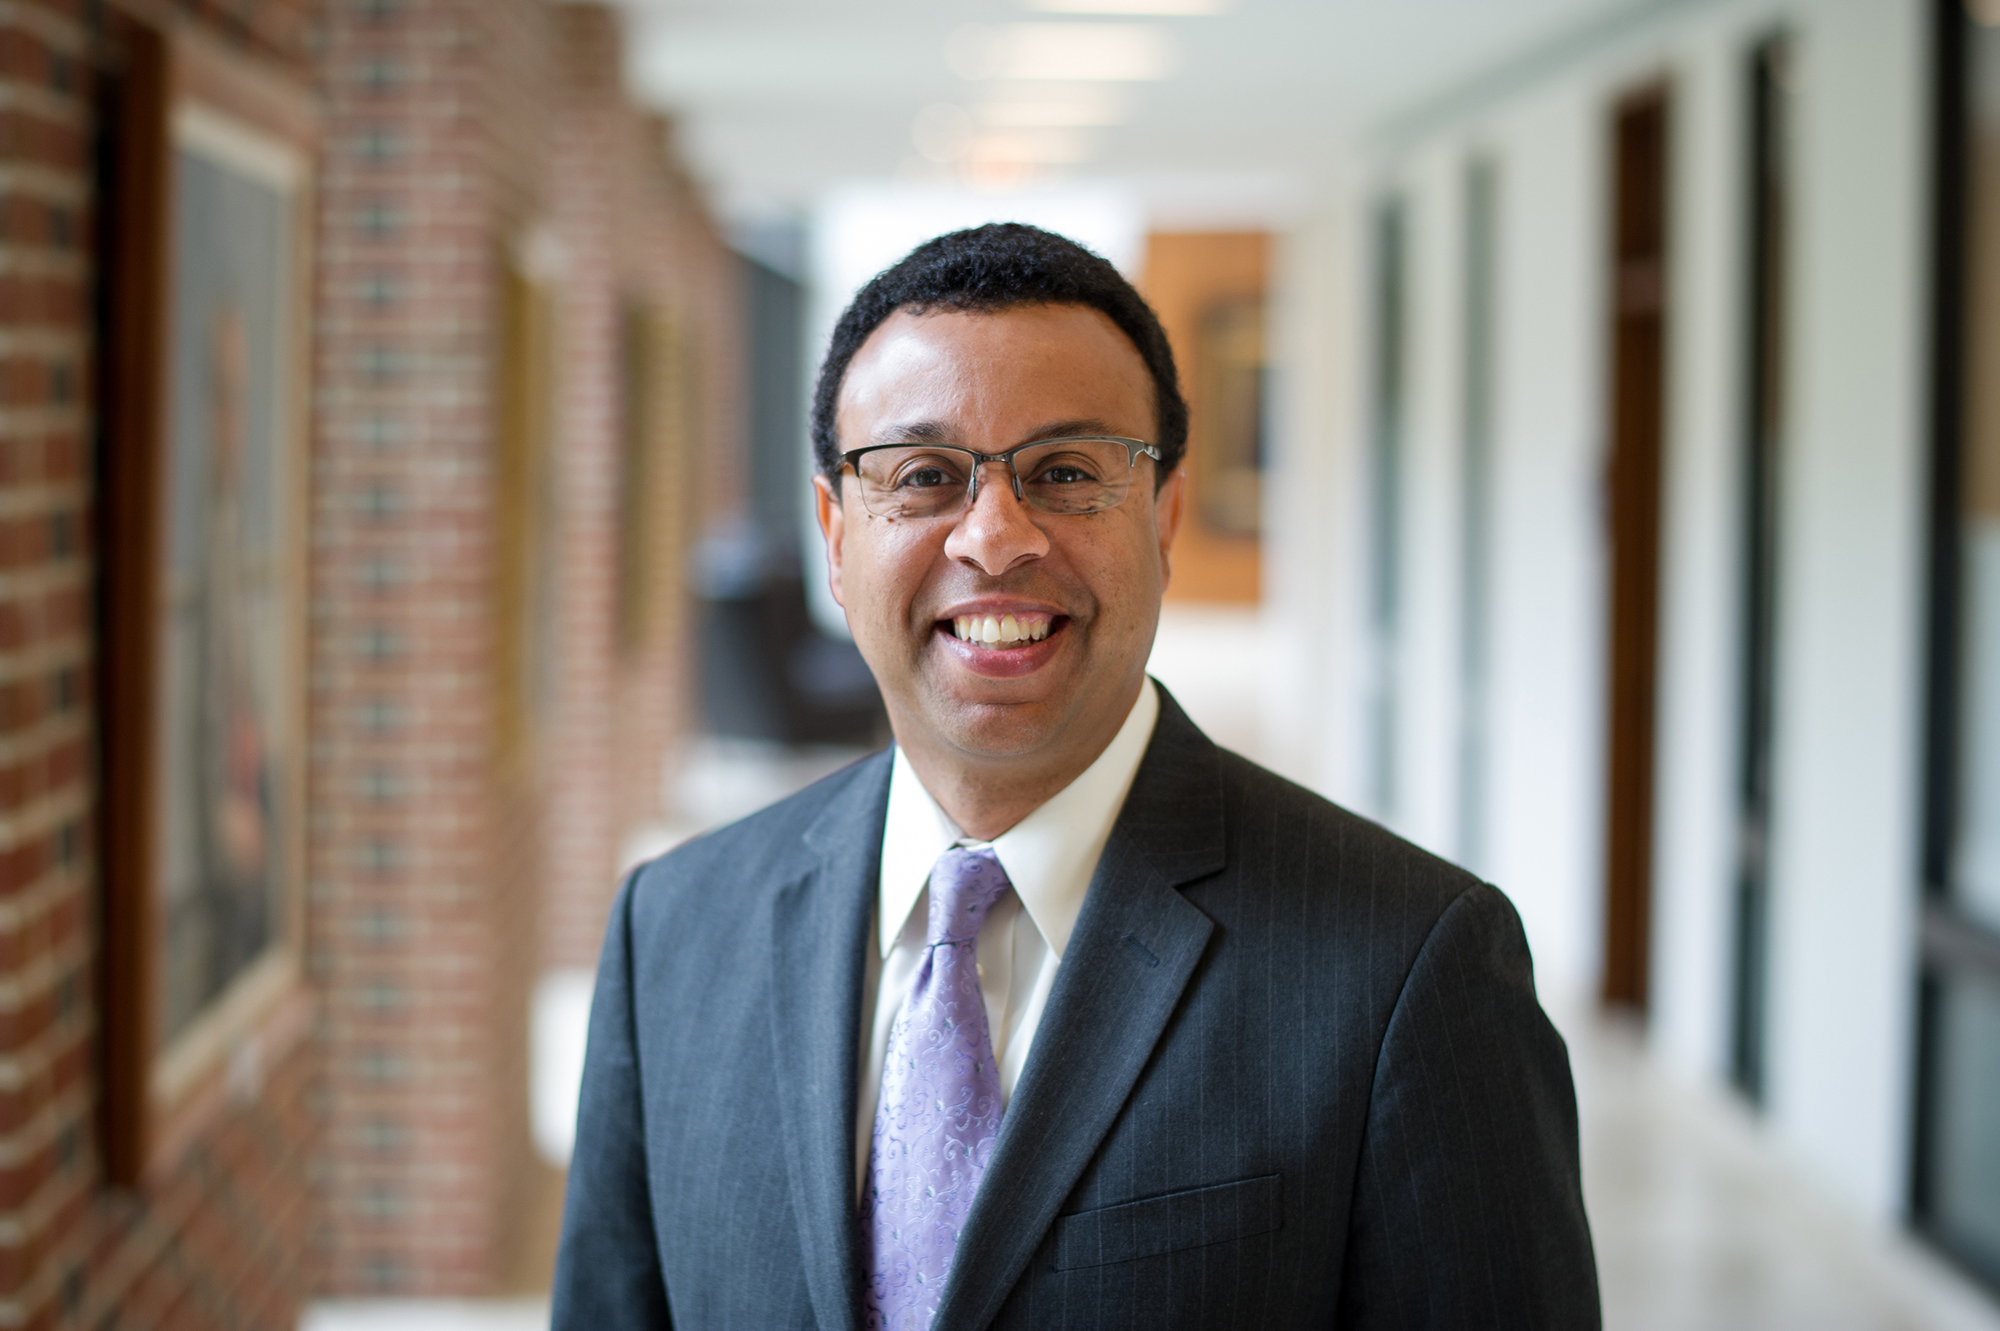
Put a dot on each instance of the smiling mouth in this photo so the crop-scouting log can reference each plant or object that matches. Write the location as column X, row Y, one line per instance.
column 1003, row 631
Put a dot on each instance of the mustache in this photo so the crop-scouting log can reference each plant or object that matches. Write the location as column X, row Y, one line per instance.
column 1034, row 585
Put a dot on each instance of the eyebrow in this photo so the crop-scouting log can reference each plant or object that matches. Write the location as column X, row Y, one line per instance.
column 1085, row 427
column 937, row 432
column 914, row 432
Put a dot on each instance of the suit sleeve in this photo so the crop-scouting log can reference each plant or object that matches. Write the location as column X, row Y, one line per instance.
column 1468, row 1209
column 608, row 1274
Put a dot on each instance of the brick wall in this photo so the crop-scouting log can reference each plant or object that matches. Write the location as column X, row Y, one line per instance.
column 224, row 1241
column 420, row 910
column 512, row 147
column 675, row 255
column 382, row 1146
column 585, row 216
column 45, row 791
column 638, row 245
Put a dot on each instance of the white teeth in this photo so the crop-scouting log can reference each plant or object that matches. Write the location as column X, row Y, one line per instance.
column 991, row 629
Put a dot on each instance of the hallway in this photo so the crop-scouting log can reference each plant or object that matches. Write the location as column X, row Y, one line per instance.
column 1700, row 1222
column 1591, row 477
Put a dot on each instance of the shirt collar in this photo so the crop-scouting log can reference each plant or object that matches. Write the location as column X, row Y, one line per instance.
column 1049, row 856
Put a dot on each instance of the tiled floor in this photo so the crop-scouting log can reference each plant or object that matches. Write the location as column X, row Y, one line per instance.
column 1702, row 1226
column 428, row 1315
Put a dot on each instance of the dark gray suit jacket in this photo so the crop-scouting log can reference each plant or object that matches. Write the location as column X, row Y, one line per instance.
column 1292, row 1074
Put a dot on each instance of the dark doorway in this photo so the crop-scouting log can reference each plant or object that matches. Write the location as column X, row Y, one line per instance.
column 1639, row 210
column 767, row 673
column 1763, row 429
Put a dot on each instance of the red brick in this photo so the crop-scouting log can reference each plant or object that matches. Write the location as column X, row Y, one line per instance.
column 499, row 91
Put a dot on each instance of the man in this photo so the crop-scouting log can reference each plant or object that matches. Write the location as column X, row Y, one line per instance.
column 1055, row 1015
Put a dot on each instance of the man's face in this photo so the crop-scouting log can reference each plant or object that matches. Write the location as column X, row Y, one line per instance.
column 1083, row 589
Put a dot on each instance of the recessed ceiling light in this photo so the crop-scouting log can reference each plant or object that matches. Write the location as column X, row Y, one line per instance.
column 1113, row 52
column 1164, row 8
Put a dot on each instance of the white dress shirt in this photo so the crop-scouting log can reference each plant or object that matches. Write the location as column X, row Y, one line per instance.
column 1049, row 857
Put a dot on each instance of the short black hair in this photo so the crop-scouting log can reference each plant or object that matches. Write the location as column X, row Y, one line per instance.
column 985, row 270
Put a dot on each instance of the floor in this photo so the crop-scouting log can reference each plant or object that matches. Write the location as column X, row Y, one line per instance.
column 1700, row 1224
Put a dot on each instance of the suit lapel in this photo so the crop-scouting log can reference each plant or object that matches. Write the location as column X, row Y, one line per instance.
column 819, row 934
column 1136, row 944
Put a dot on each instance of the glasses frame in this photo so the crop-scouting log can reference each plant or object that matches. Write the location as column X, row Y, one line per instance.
column 1134, row 449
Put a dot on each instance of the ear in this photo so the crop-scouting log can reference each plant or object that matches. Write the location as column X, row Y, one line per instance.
column 1168, row 506
column 833, row 526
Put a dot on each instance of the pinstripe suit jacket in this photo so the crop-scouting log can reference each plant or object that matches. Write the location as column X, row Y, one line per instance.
column 1292, row 1074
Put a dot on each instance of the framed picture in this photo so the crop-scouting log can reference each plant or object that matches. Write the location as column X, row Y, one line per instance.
column 202, row 549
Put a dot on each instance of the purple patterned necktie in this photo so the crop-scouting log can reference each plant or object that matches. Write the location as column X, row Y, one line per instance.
column 939, row 1110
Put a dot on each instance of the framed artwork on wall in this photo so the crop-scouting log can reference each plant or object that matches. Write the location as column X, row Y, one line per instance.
column 203, row 462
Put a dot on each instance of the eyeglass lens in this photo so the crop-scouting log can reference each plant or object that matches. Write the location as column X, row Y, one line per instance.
column 930, row 480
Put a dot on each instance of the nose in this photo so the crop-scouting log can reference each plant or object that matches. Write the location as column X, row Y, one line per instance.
column 996, row 532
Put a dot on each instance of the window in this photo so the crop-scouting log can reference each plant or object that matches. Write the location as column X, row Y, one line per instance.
column 1957, row 1176
column 1476, row 427
column 1763, row 431
column 1388, row 403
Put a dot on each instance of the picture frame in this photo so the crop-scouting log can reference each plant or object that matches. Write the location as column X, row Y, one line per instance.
column 208, row 171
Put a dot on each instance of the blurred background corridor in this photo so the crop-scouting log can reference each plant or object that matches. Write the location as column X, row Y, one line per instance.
column 1595, row 477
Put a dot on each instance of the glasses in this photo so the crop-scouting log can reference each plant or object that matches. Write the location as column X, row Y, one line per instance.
column 1084, row 474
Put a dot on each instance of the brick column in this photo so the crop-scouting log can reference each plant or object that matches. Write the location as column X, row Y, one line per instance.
column 640, row 250
column 45, row 735
column 584, row 199
column 419, row 916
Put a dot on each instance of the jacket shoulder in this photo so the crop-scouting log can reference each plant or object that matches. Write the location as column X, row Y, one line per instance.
column 1276, row 821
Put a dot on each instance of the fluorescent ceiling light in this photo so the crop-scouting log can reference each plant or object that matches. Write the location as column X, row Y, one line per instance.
column 1020, row 132
column 1166, row 8
column 941, row 132
column 1114, row 52
column 1047, row 114
column 1016, row 146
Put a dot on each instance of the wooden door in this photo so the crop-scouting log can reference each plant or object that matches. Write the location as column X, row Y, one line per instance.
column 1637, row 369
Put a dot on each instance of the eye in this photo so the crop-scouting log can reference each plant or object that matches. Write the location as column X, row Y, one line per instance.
column 1066, row 471
column 923, row 471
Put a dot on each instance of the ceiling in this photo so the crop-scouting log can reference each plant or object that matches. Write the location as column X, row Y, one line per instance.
column 780, row 100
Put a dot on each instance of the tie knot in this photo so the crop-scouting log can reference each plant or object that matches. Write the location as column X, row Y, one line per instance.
column 964, row 885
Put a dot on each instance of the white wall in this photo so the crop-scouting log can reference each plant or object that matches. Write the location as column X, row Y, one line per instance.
column 1545, row 684
column 1313, row 551
column 1427, row 716
column 1702, row 572
column 1851, row 610
column 1847, row 737
column 1543, row 737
